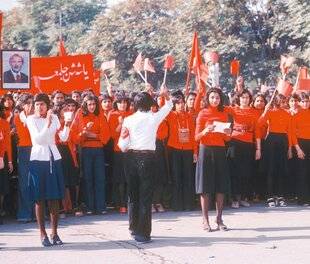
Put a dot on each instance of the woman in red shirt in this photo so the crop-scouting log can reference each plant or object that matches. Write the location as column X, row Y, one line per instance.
column 182, row 153
column 276, row 152
column 116, row 117
column 92, row 132
column 259, row 179
column 242, row 148
column 301, row 142
column 212, row 172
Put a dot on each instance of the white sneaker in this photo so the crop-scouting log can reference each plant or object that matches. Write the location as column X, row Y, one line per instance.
column 244, row 203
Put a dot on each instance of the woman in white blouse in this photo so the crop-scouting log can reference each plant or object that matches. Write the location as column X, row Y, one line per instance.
column 45, row 169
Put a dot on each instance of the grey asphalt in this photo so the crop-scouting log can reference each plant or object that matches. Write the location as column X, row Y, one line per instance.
column 257, row 235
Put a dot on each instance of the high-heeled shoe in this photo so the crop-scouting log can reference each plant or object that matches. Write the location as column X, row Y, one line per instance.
column 56, row 240
column 206, row 227
column 45, row 242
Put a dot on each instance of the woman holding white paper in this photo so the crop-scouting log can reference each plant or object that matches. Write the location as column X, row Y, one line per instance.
column 212, row 172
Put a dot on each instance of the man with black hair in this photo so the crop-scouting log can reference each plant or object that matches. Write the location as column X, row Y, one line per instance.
column 138, row 137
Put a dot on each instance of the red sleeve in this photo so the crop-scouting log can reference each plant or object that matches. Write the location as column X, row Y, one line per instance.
column 113, row 124
column 105, row 133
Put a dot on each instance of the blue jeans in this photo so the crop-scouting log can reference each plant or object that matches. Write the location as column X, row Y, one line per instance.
column 94, row 178
column 25, row 206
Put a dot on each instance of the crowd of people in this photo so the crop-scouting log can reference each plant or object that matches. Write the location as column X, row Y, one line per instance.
column 262, row 155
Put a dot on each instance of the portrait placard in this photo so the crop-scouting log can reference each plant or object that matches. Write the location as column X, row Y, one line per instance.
column 15, row 69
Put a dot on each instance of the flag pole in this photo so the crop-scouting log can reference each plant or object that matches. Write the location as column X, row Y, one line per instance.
column 141, row 75
column 297, row 80
column 165, row 75
column 145, row 76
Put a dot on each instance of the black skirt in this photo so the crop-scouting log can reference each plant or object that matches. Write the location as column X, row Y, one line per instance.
column 70, row 172
column 4, row 178
column 212, row 172
column 118, row 167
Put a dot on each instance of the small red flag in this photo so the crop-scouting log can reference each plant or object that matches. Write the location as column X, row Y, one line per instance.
column 62, row 49
column 138, row 64
column 284, row 87
column 304, row 84
column 235, row 67
column 169, row 62
column 108, row 65
column 148, row 66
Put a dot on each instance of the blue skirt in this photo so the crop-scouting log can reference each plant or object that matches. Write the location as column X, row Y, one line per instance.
column 46, row 180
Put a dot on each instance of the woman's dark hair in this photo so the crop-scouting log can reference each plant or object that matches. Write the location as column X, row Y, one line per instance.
column 220, row 107
column 106, row 96
column 69, row 100
column 121, row 96
column 259, row 95
column 75, row 91
column 189, row 94
column 177, row 98
column 90, row 97
column 42, row 97
column 2, row 112
column 24, row 98
column 277, row 101
column 57, row 109
column 304, row 96
column 244, row 91
column 295, row 96
column 7, row 96
column 143, row 102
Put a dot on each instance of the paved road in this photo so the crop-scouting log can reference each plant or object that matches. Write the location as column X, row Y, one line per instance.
column 257, row 235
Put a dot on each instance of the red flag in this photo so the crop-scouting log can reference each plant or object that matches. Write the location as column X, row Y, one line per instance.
column 138, row 64
column 235, row 67
column 62, row 49
column 1, row 17
column 108, row 65
column 302, row 82
column 286, row 63
column 195, row 63
column 148, row 66
column 284, row 87
column 211, row 56
column 169, row 62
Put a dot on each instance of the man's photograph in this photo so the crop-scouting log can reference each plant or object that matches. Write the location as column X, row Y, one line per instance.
column 15, row 69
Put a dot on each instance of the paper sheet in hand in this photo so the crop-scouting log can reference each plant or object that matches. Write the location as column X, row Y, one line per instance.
column 220, row 126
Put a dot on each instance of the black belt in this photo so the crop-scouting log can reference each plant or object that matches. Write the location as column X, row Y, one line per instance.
column 142, row 151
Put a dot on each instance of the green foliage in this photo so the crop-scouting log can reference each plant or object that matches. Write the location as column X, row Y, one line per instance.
column 255, row 33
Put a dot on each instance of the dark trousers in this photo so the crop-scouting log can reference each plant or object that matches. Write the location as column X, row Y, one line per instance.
column 183, row 181
column 94, row 178
column 276, row 163
column 25, row 206
column 139, row 172
column 241, row 164
column 303, row 172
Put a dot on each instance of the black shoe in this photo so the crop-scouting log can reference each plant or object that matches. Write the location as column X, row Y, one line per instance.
column 45, row 242
column 56, row 240
column 142, row 239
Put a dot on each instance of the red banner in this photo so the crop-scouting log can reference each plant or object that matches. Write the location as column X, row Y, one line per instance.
column 64, row 73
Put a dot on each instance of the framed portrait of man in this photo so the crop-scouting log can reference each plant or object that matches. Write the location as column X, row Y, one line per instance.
column 15, row 69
